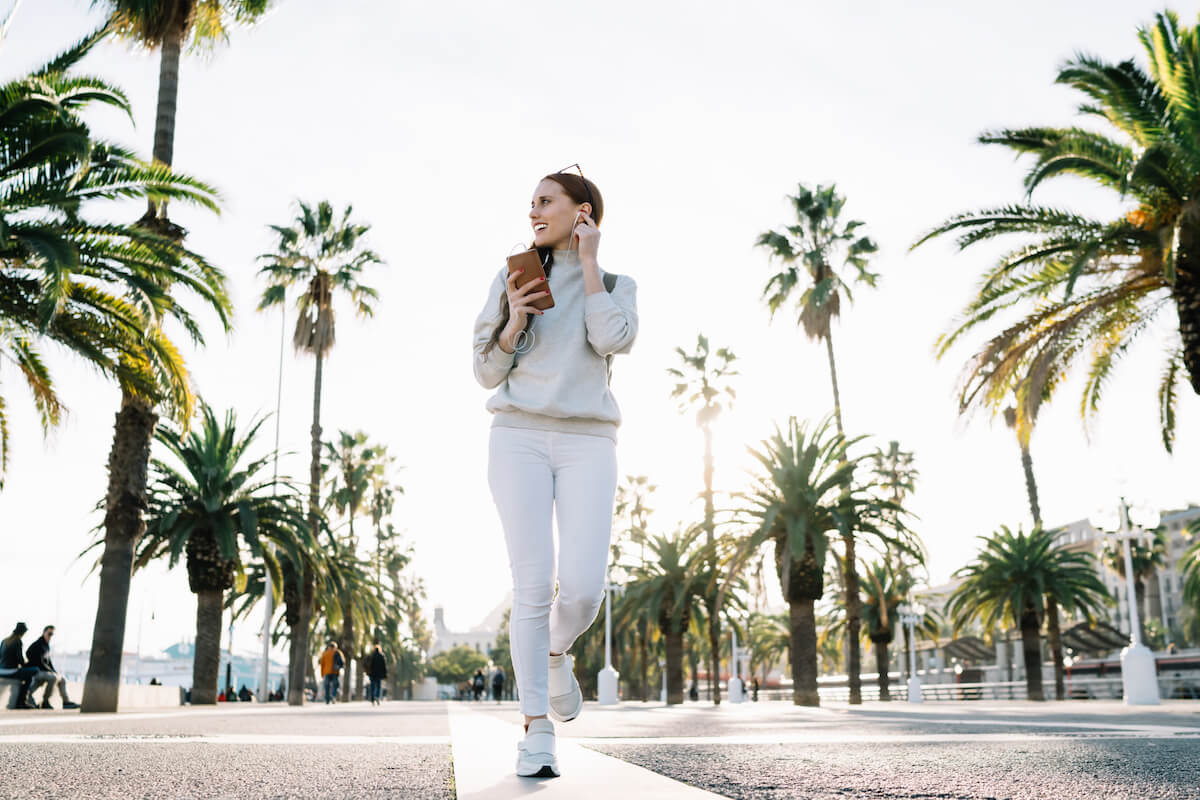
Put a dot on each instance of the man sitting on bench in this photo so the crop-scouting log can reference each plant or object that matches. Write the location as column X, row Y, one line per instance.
column 38, row 655
column 13, row 666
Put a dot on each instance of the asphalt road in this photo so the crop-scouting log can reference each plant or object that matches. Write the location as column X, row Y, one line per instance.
column 765, row 750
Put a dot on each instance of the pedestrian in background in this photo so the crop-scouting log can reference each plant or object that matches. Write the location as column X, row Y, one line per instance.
column 376, row 671
column 332, row 662
column 478, row 684
column 14, row 667
column 498, row 684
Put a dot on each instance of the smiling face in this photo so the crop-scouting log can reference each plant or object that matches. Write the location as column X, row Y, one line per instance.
column 552, row 213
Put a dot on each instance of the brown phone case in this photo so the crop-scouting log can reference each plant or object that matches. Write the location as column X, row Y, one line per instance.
column 531, row 269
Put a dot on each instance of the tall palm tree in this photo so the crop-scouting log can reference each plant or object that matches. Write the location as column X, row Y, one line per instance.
column 1148, row 558
column 167, row 26
column 672, row 586
column 1088, row 287
column 214, row 506
column 808, row 251
column 805, row 495
column 324, row 254
column 95, row 287
column 1009, row 582
column 813, row 244
column 706, row 389
column 65, row 277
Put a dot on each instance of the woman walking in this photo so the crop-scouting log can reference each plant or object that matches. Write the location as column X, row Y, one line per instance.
column 552, row 447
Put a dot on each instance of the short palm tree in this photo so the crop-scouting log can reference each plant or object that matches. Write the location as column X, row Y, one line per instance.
column 1148, row 558
column 325, row 255
column 886, row 588
column 705, row 388
column 769, row 638
column 805, row 495
column 672, row 587
column 1009, row 582
column 214, row 506
column 1189, row 568
column 1086, row 288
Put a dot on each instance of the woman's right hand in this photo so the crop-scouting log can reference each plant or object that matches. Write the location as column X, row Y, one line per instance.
column 520, row 306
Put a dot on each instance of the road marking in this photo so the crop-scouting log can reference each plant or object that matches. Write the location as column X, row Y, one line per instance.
column 485, row 750
column 901, row 738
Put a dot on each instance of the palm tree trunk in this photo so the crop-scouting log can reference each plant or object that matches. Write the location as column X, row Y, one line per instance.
column 837, row 397
column 803, row 653
column 644, row 633
column 1055, row 635
column 123, row 527
column 881, row 666
column 1031, row 645
column 299, row 655
column 674, row 667
column 358, row 677
column 1186, row 293
column 853, row 623
column 206, row 665
column 908, row 643
column 714, row 620
column 347, row 645
column 1031, row 485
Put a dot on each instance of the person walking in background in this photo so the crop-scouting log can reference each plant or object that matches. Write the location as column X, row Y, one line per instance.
column 38, row 655
column 376, row 671
column 13, row 666
column 332, row 662
column 477, row 684
column 552, row 446
column 498, row 684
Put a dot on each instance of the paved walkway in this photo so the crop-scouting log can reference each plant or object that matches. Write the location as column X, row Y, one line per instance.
column 629, row 752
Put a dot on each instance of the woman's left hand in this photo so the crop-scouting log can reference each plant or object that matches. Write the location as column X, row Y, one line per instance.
column 588, row 237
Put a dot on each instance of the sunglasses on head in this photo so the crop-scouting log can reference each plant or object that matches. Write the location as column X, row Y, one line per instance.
column 587, row 189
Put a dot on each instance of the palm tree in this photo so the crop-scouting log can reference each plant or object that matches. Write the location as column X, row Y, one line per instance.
column 323, row 254
column 814, row 243
column 1088, row 287
column 1148, row 558
column 355, row 464
column 1189, row 570
column 1009, row 582
column 701, row 388
column 68, row 279
column 768, row 639
column 672, row 587
column 166, row 26
column 805, row 495
column 886, row 589
column 212, row 506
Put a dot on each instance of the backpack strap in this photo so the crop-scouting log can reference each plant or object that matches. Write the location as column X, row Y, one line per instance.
column 610, row 283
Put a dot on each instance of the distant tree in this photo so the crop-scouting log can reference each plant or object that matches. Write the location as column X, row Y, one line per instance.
column 456, row 665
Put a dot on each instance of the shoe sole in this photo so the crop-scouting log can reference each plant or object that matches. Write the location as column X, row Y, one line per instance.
column 545, row 771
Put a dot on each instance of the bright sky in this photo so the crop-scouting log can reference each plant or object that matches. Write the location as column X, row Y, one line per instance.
column 436, row 120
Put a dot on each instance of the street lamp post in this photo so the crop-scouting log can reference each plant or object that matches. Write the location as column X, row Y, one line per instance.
column 910, row 615
column 1138, row 669
column 606, row 682
column 736, row 690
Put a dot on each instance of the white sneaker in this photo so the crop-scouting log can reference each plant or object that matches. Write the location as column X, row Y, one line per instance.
column 566, row 700
column 536, row 756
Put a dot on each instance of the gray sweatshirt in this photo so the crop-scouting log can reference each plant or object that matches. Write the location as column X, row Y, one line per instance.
column 561, row 384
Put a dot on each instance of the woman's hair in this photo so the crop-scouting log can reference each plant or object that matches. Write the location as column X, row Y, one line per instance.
column 579, row 189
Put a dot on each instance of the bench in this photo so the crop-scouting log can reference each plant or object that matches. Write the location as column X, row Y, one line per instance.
column 9, row 689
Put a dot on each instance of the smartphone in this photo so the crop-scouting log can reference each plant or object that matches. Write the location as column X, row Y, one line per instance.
column 530, row 265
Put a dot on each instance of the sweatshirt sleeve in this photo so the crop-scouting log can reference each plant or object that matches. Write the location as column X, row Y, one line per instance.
column 611, row 318
column 492, row 369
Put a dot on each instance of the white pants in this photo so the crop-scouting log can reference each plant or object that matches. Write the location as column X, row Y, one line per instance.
column 535, row 475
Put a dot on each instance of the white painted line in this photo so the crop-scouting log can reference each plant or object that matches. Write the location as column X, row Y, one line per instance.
column 231, row 738
column 903, row 738
column 485, row 756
